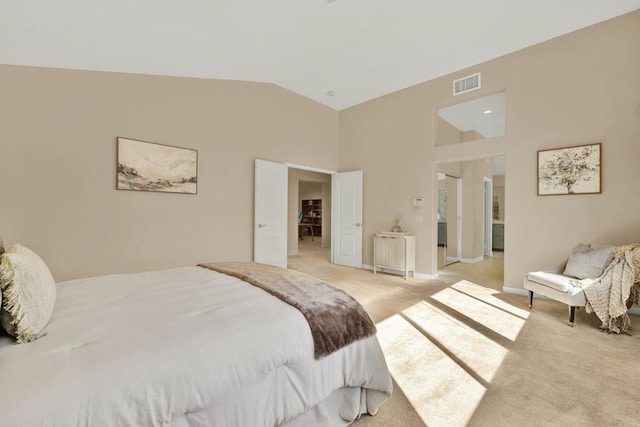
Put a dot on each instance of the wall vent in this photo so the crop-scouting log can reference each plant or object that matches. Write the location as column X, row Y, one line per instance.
column 466, row 84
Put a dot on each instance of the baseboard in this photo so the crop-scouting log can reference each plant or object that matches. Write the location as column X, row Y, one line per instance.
column 296, row 251
column 524, row 292
column 517, row 291
column 425, row 276
column 465, row 260
column 471, row 260
column 415, row 275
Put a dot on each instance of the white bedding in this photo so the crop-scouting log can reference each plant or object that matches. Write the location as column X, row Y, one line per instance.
column 182, row 347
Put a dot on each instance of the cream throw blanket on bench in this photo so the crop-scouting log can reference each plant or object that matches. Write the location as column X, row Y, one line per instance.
column 335, row 318
column 608, row 294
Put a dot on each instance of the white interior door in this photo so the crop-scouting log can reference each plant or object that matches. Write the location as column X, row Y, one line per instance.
column 346, row 218
column 270, row 214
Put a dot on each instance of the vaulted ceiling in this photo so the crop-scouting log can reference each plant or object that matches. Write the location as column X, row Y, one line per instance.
column 337, row 52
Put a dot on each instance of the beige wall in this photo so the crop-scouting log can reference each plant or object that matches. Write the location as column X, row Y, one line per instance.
column 576, row 89
column 57, row 163
column 58, row 155
column 451, row 169
column 309, row 190
column 498, row 192
column 471, row 135
column 473, row 174
column 292, row 209
column 447, row 133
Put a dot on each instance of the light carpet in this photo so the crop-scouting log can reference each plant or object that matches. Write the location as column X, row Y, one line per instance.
column 462, row 352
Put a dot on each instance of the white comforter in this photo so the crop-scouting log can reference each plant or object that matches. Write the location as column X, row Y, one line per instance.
column 182, row 347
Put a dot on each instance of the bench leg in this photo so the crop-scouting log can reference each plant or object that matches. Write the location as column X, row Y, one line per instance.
column 530, row 299
column 572, row 315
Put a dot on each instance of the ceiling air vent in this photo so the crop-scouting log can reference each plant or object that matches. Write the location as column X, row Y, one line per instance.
column 466, row 84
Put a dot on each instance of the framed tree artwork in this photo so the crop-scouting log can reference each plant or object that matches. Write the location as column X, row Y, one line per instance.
column 570, row 170
column 147, row 166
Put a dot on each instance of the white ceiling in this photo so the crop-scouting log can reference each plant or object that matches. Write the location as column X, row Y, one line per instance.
column 360, row 49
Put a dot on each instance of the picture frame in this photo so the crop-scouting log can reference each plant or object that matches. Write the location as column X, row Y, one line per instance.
column 149, row 166
column 570, row 170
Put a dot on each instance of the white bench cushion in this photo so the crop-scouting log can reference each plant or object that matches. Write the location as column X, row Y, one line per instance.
column 558, row 282
column 555, row 286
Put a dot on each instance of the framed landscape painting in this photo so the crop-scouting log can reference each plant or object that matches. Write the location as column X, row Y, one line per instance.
column 570, row 170
column 147, row 166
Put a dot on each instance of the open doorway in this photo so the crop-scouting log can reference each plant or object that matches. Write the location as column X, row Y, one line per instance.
column 309, row 214
column 481, row 209
column 277, row 209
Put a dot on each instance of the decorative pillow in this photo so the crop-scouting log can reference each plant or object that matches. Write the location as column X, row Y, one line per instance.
column 1, row 252
column 28, row 293
column 586, row 262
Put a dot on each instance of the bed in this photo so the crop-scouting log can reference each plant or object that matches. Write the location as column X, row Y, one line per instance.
column 183, row 347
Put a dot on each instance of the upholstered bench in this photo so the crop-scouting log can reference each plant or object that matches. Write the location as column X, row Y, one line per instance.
column 585, row 261
column 555, row 285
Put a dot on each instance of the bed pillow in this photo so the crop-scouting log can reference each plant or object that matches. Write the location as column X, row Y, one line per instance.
column 28, row 293
column 587, row 262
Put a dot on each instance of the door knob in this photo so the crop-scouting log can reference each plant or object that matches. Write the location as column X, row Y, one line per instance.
column 357, row 224
column 262, row 225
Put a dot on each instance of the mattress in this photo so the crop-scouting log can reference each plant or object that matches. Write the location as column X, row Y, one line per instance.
column 182, row 347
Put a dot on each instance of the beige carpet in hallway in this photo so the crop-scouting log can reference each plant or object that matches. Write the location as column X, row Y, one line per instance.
column 461, row 352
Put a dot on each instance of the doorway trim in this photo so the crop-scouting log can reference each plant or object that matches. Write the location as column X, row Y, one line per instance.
column 459, row 217
column 487, row 227
column 309, row 168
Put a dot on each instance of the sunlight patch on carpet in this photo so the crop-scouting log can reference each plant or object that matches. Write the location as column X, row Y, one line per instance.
column 479, row 353
column 442, row 392
column 487, row 295
column 499, row 321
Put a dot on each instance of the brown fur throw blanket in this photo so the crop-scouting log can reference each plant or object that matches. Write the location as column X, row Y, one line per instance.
column 611, row 294
column 335, row 318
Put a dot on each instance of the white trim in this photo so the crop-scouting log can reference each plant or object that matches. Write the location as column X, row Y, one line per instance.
column 459, row 218
column 519, row 291
column 400, row 273
column 309, row 168
column 425, row 276
column 453, row 258
column 472, row 260
column 487, row 217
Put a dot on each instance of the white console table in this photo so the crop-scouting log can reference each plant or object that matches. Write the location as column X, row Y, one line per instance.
column 395, row 252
